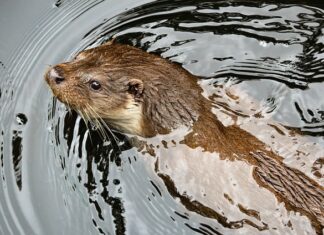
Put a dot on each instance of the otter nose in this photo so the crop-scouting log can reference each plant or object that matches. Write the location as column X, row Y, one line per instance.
column 56, row 76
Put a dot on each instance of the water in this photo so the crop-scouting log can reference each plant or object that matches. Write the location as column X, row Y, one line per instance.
column 262, row 64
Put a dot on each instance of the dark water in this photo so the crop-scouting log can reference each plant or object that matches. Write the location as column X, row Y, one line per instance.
column 262, row 64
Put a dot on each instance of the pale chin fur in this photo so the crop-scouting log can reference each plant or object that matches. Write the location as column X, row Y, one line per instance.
column 129, row 119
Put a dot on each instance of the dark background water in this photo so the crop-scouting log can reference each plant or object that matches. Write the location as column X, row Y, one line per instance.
column 261, row 60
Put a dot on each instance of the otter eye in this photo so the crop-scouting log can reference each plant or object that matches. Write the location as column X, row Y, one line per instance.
column 95, row 85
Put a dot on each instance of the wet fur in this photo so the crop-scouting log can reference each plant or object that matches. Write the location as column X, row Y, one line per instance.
column 146, row 95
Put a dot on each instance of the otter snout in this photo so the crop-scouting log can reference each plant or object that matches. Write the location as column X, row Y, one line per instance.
column 55, row 76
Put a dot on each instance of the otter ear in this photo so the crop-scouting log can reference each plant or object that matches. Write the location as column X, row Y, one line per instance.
column 110, row 42
column 80, row 56
column 135, row 87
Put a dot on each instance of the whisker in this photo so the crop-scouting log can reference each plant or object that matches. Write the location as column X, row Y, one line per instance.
column 86, row 120
column 98, row 124
column 104, row 124
column 67, row 104
column 89, row 112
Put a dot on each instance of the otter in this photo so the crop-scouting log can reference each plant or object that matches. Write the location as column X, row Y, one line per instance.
column 142, row 94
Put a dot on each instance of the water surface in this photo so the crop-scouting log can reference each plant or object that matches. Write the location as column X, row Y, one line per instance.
column 260, row 63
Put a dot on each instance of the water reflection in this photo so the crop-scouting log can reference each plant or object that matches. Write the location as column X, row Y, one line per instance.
column 261, row 67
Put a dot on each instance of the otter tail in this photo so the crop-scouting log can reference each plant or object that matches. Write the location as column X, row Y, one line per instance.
column 299, row 192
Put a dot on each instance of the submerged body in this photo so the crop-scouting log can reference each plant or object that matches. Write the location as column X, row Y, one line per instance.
column 142, row 94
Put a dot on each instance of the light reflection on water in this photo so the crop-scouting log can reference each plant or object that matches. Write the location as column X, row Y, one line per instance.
column 260, row 64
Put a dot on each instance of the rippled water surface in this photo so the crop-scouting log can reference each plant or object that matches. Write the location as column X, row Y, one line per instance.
column 260, row 63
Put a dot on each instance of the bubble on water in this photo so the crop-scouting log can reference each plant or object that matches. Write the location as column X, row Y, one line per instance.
column 21, row 119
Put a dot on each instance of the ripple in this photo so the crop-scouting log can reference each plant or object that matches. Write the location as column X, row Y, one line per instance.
column 255, row 60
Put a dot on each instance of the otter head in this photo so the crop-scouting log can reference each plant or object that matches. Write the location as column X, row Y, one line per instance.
column 131, row 90
column 96, row 86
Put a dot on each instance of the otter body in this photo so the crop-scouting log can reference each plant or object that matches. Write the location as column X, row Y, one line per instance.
column 142, row 94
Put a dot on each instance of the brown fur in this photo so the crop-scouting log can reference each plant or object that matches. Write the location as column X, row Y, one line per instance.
column 168, row 97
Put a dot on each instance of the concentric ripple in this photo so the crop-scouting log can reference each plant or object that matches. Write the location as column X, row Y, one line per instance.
column 261, row 64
